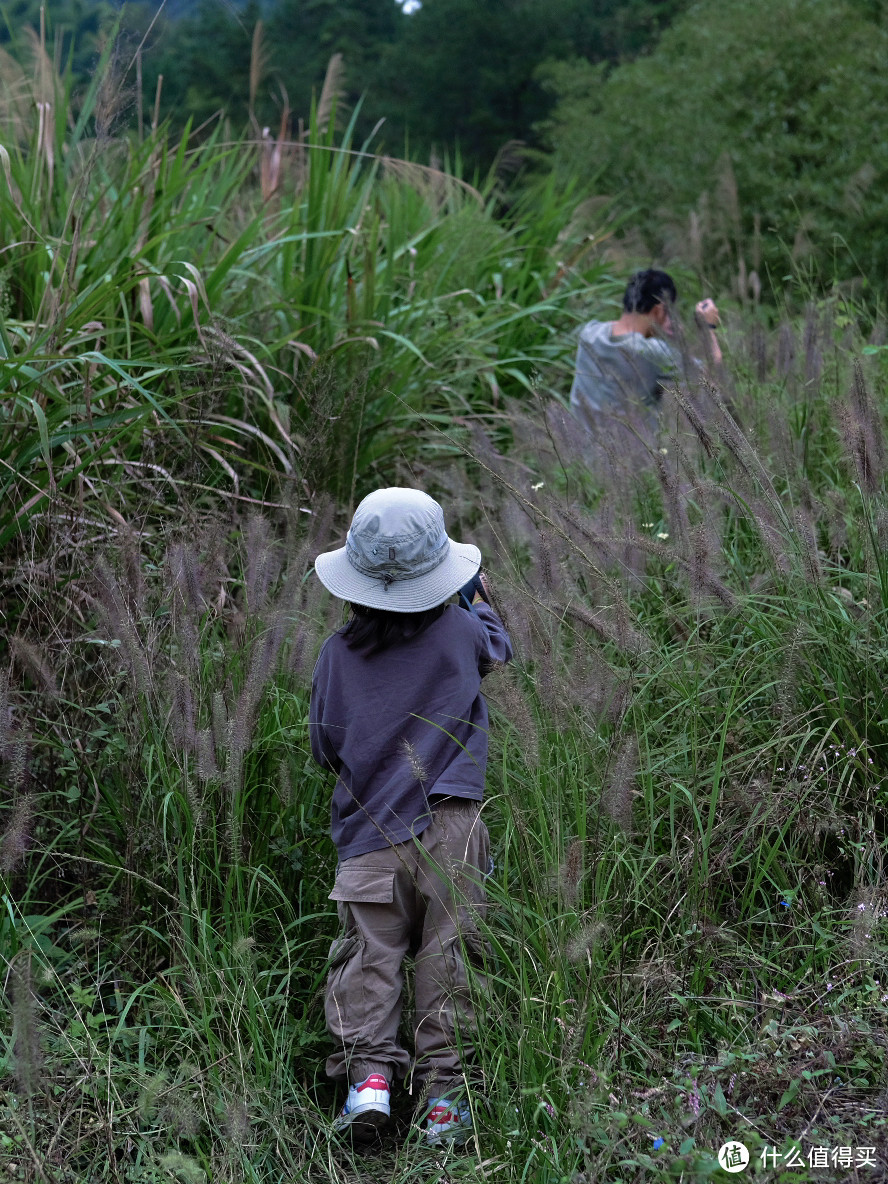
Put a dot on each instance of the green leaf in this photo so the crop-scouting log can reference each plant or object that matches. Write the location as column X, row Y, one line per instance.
column 789, row 1094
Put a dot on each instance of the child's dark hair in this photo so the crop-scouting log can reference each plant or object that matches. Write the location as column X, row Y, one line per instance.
column 648, row 288
column 375, row 629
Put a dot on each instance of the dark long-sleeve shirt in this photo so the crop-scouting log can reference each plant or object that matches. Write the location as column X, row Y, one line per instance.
column 404, row 724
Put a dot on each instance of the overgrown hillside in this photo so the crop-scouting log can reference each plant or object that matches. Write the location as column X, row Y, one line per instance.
column 210, row 351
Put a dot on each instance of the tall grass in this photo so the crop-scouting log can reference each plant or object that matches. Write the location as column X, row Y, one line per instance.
column 180, row 319
column 211, row 349
column 686, row 799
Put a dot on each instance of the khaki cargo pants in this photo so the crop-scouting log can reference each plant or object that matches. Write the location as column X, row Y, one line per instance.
column 423, row 897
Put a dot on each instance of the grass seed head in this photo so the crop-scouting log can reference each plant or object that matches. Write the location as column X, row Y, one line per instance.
column 186, row 578
column 285, row 784
column 589, row 935
column 26, row 1039
column 786, row 352
column 17, row 758
column 619, row 784
column 571, row 871
column 417, row 769
column 34, row 661
column 237, row 1123
column 17, row 835
column 263, row 562
column 220, row 722
column 862, row 434
column 511, row 700
column 207, row 768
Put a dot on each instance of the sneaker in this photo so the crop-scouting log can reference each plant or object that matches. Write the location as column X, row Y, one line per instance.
column 447, row 1122
column 367, row 1109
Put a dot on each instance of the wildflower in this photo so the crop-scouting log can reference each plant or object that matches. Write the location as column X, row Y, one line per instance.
column 648, row 525
column 539, row 485
column 664, row 451
column 658, row 1143
column 785, row 904
column 662, row 535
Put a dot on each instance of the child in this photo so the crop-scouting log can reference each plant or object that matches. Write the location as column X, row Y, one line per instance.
column 397, row 712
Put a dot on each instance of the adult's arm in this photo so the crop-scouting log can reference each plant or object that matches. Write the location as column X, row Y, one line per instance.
column 708, row 318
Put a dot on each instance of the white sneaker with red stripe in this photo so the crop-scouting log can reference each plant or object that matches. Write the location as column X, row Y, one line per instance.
column 367, row 1109
column 447, row 1122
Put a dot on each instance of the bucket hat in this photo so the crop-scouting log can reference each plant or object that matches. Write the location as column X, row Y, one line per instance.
column 397, row 555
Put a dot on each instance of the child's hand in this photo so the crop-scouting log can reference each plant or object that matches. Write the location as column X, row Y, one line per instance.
column 482, row 593
column 476, row 591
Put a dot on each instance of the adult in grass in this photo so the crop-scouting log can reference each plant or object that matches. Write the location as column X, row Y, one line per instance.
column 623, row 366
column 397, row 713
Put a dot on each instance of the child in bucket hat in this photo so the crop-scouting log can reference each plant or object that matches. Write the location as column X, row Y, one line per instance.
column 397, row 713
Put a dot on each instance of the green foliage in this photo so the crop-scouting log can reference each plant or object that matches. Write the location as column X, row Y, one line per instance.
column 227, row 312
column 685, row 795
column 440, row 87
column 73, row 29
column 419, row 74
column 755, row 121
column 686, row 791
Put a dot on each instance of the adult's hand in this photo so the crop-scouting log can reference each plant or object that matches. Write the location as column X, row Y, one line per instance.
column 707, row 313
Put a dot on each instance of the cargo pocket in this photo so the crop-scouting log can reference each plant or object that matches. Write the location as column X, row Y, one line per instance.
column 356, row 1002
column 363, row 885
column 341, row 950
column 464, row 959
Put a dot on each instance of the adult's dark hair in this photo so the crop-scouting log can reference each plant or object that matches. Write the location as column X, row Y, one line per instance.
column 375, row 629
column 647, row 289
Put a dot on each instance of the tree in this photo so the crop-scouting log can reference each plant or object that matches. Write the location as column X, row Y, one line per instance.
column 755, row 115
column 204, row 58
column 465, row 71
column 304, row 35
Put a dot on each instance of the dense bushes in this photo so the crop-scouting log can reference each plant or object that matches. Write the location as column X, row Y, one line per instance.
column 742, row 139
